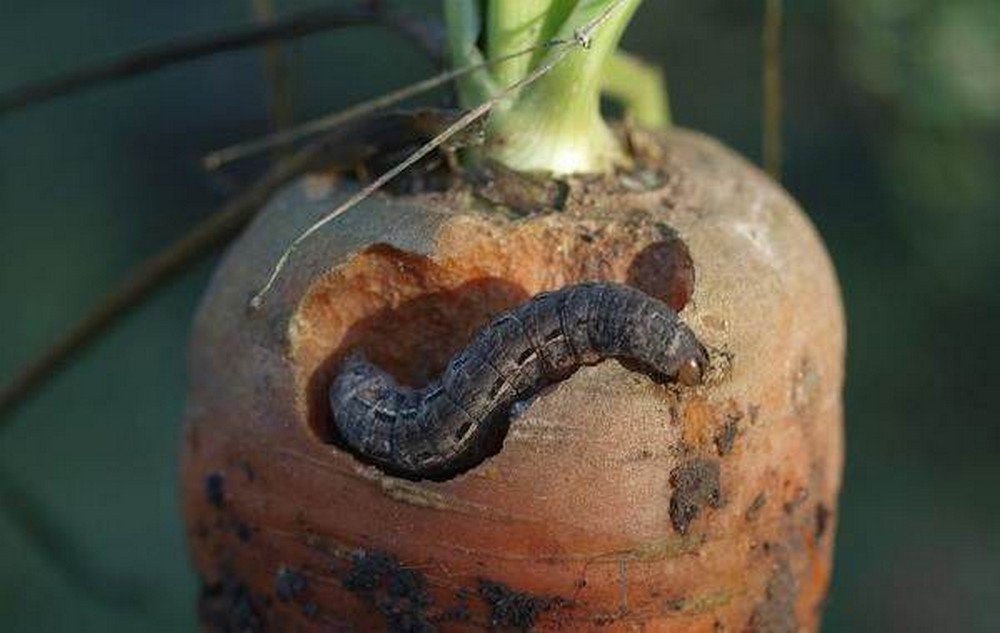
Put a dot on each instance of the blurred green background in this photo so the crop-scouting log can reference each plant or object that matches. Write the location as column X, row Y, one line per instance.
column 893, row 147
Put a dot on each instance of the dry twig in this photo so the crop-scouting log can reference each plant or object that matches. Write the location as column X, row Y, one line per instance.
column 772, row 97
column 192, row 47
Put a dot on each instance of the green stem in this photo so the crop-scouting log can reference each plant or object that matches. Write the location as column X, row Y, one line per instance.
column 513, row 25
column 464, row 25
column 555, row 124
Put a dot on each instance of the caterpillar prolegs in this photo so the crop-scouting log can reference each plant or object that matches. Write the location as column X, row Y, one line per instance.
column 460, row 419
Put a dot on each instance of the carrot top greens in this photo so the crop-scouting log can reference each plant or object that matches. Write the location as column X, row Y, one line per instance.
column 553, row 124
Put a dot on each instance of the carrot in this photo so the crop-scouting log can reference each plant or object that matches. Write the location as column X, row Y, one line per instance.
column 611, row 497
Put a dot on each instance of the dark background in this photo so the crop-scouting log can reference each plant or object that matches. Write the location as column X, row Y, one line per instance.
column 893, row 132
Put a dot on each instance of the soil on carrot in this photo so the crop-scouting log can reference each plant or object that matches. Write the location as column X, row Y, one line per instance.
column 822, row 520
column 215, row 492
column 289, row 583
column 228, row 605
column 776, row 613
column 514, row 610
column 696, row 486
column 758, row 503
column 725, row 438
column 399, row 594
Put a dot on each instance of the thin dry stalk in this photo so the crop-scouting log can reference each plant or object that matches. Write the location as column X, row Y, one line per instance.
column 772, row 93
column 192, row 47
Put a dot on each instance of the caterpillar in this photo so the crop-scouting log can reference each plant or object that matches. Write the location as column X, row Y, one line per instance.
column 460, row 419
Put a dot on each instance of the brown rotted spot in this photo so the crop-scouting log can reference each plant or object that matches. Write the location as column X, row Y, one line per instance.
column 310, row 609
column 800, row 496
column 664, row 270
column 725, row 438
column 248, row 472
column 511, row 609
column 776, row 612
column 399, row 594
column 728, row 430
column 243, row 532
column 696, row 484
column 522, row 194
column 289, row 584
column 459, row 611
column 228, row 605
column 756, row 506
column 215, row 491
column 822, row 520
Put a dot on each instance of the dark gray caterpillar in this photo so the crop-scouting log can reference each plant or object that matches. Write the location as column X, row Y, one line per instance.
column 459, row 420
